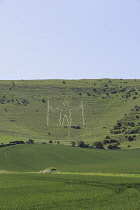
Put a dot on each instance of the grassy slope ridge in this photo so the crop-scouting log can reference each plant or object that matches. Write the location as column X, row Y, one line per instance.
column 28, row 158
column 24, row 114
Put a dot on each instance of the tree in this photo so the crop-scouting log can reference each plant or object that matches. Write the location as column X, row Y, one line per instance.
column 130, row 138
column 114, row 146
column 81, row 144
column 119, row 124
column 43, row 100
column 106, row 141
column 73, row 143
column 107, row 137
column 98, row 145
column 31, row 141
column 113, row 141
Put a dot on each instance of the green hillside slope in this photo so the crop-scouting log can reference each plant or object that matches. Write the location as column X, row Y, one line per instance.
column 24, row 109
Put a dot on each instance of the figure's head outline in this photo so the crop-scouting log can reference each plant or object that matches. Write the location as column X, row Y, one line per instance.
column 65, row 103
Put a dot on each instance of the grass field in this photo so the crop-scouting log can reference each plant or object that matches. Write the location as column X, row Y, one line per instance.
column 29, row 158
column 87, row 178
column 59, row 191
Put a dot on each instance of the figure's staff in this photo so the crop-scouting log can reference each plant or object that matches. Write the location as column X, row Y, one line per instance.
column 48, row 108
column 82, row 113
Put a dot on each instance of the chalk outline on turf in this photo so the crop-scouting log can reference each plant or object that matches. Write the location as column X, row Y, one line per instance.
column 67, row 116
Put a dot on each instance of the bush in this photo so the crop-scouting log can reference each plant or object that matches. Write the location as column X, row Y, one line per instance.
column 107, row 137
column 16, row 142
column 31, row 141
column 98, row 145
column 88, row 94
column 50, row 141
column 81, row 144
column 130, row 138
column 113, row 141
column 73, row 143
column 114, row 146
column 132, row 124
column 119, row 124
column 43, row 100
column 105, row 141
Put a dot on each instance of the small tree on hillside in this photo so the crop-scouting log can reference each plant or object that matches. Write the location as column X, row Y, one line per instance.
column 73, row 143
column 50, row 141
column 81, row 144
column 31, row 141
column 98, row 145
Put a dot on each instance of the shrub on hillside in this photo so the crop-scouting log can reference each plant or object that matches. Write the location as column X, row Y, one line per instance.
column 82, row 144
column 88, row 94
column 132, row 124
column 16, row 142
column 113, row 141
column 107, row 137
column 73, row 143
column 43, row 100
column 50, row 141
column 106, row 141
column 98, row 145
column 130, row 138
column 114, row 146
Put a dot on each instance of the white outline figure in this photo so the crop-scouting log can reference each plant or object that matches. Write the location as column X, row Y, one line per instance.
column 65, row 112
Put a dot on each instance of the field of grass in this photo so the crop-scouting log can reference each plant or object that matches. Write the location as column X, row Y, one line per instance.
column 67, row 191
column 33, row 158
column 86, row 178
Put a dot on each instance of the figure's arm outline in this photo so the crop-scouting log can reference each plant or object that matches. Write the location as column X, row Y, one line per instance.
column 76, row 109
column 54, row 110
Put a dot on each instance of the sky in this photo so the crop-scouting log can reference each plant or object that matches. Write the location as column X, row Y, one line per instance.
column 69, row 39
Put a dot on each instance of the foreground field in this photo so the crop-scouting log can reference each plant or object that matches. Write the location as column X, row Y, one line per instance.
column 67, row 191
column 86, row 178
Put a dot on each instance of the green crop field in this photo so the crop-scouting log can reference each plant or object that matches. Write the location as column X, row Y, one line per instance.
column 85, row 178
column 55, row 114
column 60, row 191
column 36, row 157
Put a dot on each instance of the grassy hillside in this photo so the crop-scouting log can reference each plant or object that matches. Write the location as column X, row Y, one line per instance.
column 24, row 110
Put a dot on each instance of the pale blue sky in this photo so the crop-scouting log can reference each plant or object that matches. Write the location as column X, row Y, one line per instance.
column 69, row 39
